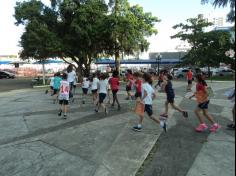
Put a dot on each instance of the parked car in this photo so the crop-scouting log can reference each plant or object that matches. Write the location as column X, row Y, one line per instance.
column 181, row 73
column 225, row 72
column 6, row 75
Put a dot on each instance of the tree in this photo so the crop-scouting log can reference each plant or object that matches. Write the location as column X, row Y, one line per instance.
column 224, row 3
column 74, row 27
column 129, row 27
column 208, row 48
column 38, row 40
column 84, row 29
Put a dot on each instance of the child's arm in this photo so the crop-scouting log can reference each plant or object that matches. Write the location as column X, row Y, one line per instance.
column 145, row 95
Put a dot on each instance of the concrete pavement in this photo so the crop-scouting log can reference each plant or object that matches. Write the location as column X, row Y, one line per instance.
column 35, row 141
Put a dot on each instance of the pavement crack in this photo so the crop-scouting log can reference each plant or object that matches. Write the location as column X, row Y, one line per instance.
column 77, row 122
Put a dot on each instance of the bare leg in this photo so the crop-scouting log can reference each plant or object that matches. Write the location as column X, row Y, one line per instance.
column 155, row 119
column 141, row 119
column 116, row 99
column 197, row 112
column 166, row 107
column 176, row 108
column 65, row 109
column 208, row 116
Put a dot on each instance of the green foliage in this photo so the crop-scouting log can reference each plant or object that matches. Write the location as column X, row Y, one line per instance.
column 208, row 48
column 82, row 29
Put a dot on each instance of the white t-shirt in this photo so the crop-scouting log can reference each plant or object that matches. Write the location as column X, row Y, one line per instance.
column 71, row 76
column 86, row 83
column 103, row 86
column 95, row 83
column 51, row 81
column 64, row 90
column 150, row 91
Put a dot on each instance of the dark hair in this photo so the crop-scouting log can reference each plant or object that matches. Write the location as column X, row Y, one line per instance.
column 103, row 76
column 69, row 68
column 200, row 79
column 130, row 72
column 58, row 74
column 137, row 74
column 148, row 78
column 64, row 76
column 169, row 77
column 115, row 73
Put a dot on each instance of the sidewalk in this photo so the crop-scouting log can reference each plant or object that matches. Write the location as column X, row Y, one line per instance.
column 34, row 141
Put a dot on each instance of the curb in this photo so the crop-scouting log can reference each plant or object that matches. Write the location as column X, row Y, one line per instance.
column 45, row 86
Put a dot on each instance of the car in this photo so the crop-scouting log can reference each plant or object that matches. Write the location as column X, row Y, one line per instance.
column 225, row 72
column 6, row 75
column 181, row 73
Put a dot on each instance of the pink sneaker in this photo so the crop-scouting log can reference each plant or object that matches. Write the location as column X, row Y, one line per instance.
column 201, row 128
column 214, row 128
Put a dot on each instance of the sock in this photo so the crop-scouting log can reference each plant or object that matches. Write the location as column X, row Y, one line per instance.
column 162, row 123
column 139, row 126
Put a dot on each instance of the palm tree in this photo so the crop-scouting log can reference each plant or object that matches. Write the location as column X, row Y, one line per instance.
column 224, row 3
column 221, row 3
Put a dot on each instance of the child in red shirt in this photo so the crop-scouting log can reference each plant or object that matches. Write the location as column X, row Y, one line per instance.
column 114, row 83
column 138, row 85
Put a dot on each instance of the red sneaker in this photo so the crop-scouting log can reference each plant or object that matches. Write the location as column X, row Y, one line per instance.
column 214, row 128
column 201, row 128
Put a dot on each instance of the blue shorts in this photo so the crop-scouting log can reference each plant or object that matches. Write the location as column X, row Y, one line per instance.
column 204, row 105
column 148, row 110
column 102, row 97
column 85, row 91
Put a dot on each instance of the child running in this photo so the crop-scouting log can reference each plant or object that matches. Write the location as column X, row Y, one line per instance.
column 129, row 79
column 148, row 94
column 138, row 85
column 56, row 86
column 85, row 88
column 64, row 94
column 201, row 95
column 94, row 86
column 103, row 87
column 51, row 83
column 114, row 84
column 168, row 87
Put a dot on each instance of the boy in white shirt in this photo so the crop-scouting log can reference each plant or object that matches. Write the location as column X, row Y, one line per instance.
column 102, row 87
column 148, row 94
column 95, row 82
column 85, row 88
column 64, row 96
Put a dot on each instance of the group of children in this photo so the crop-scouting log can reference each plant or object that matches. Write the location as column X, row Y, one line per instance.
column 101, row 85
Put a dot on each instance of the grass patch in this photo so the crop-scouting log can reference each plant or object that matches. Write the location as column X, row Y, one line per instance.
column 221, row 78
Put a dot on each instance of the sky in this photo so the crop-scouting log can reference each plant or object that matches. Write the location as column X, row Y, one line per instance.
column 169, row 12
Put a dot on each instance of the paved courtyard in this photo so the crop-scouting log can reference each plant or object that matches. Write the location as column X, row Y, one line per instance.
column 34, row 141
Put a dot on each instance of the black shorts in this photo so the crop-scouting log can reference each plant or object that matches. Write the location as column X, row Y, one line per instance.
column 148, row 110
column 190, row 82
column 51, row 87
column 170, row 98
column 95, row 91
column 114, row 92
column 85, row 91
column 204, row 105
column 138, row 95
column 63, row 102
column 55, row 91
column 128, row 88
column 102, row 97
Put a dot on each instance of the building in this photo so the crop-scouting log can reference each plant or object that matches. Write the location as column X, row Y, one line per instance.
column 167, row 57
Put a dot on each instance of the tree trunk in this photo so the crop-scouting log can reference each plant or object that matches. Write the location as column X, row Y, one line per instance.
column 44, row 74
column 117, row 60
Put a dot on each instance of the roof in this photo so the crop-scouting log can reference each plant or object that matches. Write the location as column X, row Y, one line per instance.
column 162, row 62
